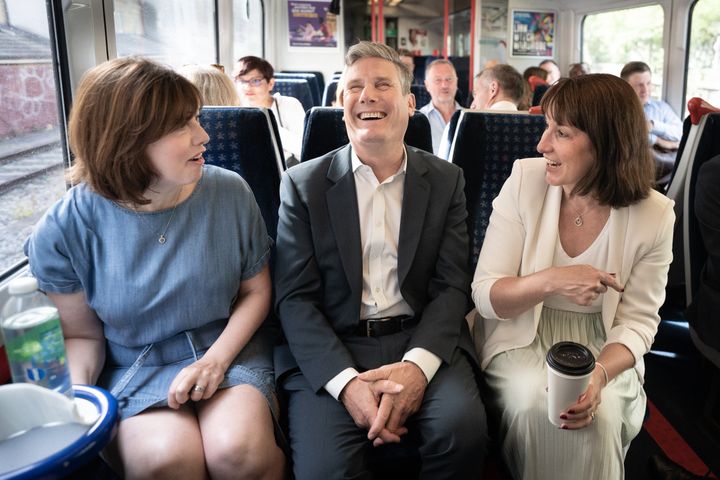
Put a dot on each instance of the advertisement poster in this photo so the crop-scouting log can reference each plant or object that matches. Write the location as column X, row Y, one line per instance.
column 310, row 24
column 533, row 34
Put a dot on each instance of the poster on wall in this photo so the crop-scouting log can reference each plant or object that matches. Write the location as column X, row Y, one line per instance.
column 310, row 24
column 533, row 33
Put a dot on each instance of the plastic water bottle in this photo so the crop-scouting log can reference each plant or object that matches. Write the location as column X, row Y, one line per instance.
column 33, row 338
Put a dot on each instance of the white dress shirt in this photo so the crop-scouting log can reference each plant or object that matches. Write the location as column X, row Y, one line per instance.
column 380, row 211
column 437, row 123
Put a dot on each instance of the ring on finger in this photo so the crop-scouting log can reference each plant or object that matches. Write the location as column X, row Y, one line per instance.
column 592, row 416
column 198, row 388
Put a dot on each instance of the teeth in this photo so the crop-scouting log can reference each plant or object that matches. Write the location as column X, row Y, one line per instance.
column 553, row 164
column 367, row 115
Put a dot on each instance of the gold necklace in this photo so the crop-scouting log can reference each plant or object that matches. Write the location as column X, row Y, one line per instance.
column 579, row 217
column 162, row 239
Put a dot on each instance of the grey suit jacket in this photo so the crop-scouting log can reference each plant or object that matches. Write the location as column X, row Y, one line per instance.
column 318, row 271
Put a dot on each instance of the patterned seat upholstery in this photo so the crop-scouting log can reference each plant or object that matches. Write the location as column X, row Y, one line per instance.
column 312, row 81
column 245, row 140
column 295, row 87
column 318, row 75
column 485, row 146
column 325, row 131
column 329, row 94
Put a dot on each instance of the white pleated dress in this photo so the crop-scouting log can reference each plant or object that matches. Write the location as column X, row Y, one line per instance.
column 534, row 448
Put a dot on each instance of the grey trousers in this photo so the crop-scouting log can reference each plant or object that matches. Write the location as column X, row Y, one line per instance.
column 450, row 427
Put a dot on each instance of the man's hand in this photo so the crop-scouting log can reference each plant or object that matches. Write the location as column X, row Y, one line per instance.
column 361, row 400
column 665, row 145
column 395, row 408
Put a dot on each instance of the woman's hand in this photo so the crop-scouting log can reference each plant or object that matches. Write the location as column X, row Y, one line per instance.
column 582, row 414
column 198, row 381
column 582, row 284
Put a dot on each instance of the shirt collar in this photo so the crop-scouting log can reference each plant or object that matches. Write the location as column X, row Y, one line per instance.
column 357, row 163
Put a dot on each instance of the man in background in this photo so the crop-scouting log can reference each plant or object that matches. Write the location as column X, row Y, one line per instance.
column 441, row 83
column 552, row 69
column 664, row 126
column 497, row 88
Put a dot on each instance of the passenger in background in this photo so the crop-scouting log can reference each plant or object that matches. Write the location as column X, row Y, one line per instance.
column 254, row 78
column 577, row 69
column 372, row 275
column 441, row 83
column 498, row 88
column 664, row 125
column 407, row 58
column 577, row 249
column 535, row 77
column 703, row 311
column 158, row 266
column 552, row 69
column 215, row 87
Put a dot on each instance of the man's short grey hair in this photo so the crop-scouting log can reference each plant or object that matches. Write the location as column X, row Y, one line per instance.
column 509, row 80
column 440, row 61
column 378, row 50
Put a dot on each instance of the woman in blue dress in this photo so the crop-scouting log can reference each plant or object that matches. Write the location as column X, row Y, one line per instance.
column 158, row 265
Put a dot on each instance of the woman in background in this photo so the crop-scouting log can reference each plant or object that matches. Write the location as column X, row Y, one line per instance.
column 254, row 79
column 577, row 249
column 215, row 87
column 158, row 265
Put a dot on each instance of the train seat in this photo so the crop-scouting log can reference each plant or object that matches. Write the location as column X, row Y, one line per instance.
column 329, row 93
column 245, row 140
column 325, row 131
column 319, row 80
column 700, row 129
column 312, row 80
column 485, row 146
column 295, row 87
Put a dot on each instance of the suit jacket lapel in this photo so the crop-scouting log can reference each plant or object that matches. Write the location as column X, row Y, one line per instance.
column 547, row 235
column 343, row 211
column 414, row 205
column 619, row 223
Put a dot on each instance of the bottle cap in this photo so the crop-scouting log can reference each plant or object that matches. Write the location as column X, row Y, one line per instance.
column 22, row 286
column 571, row 358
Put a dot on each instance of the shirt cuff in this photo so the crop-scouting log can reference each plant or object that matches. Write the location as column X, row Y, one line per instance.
column 336, row 384
column 425, row 359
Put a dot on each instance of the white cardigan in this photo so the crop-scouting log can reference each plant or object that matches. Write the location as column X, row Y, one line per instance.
column 520, row 240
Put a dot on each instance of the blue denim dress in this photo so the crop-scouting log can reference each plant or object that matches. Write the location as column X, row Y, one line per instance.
column 162, row 305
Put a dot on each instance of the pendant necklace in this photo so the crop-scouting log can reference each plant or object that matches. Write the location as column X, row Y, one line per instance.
column 579, row 218
column 162, row 239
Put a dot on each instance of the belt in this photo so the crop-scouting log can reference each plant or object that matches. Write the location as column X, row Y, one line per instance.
column 378, row 327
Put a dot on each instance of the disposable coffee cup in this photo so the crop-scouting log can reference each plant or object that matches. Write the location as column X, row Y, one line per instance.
column 569, row 367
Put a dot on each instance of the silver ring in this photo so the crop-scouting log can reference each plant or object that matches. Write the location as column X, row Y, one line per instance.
column 592, row 416
column 198, row 388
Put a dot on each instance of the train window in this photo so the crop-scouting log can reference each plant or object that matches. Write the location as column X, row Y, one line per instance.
column 636, row 33
column 176, row 33
column 31, row 160
column 704, row 53
column 248, row 21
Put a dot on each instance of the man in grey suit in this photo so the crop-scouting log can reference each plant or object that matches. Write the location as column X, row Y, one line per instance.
column 372, row 276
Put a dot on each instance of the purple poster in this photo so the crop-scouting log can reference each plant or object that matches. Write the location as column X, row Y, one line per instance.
column 310, row 24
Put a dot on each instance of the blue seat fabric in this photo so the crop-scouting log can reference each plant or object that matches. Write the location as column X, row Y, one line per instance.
column 295, row 87
column 315, row 91
column 486, row 145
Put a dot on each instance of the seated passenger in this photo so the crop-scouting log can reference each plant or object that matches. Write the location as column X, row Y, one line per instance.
column 703, row 311
column 441, row 83
column 498, row 88
column 664, row 125
column 372, row 277
column 577, row 249
column 254, row 79
column 409, row 60
column 534, row 77
column 577, row 69
column 215, row 87
column 158, row 266
column 552, row 69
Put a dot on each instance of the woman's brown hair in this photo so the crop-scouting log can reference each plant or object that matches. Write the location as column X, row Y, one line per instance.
column 608, row 110
column 121, row 107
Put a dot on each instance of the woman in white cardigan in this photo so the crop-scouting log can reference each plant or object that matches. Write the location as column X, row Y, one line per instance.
column 577, row 249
